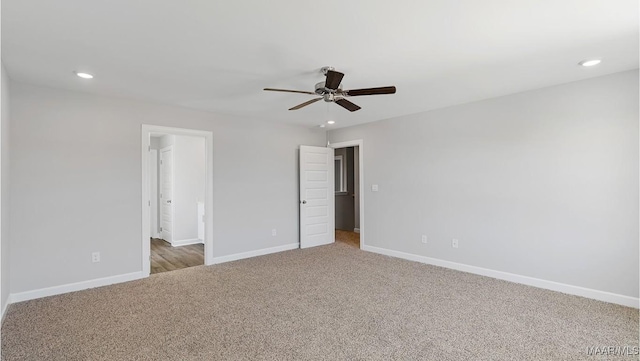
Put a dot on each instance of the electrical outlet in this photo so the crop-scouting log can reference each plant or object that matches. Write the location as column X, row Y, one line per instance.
column 454, row 243
column 274, row 232
column 95, row 257
column 374, row 187
column 424, row 238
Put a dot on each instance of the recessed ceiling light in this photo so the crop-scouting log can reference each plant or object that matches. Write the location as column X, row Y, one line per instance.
column 84, row 75
column 331, row 122
column 590, row 62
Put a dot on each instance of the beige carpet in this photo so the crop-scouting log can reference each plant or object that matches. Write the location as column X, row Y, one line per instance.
column 328, row 303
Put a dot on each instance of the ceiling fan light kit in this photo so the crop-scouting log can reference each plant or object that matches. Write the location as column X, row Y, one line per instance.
column 331, row 91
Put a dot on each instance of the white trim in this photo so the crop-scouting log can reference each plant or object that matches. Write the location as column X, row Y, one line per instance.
column 73, row 287
column 512, row 277
column 208, row 201
column 258, row 252
column 343, row 175
column 186, row 242
column 356, row 230
column 360, row 144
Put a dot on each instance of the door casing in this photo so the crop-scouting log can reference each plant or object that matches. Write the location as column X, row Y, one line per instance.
column 360, row 144
column 145, row 145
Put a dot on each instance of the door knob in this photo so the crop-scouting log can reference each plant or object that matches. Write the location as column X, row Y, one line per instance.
column 169, row 201
column 304, row 202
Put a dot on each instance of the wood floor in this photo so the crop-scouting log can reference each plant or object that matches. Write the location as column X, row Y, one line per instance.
column 166, row 258
column 350, row 238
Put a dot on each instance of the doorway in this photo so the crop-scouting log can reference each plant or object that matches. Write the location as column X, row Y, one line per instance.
column 177, row 195
column 347, row 193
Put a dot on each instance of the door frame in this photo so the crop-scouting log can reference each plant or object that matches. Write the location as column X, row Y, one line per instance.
column 153, row 153
column 147, row 130
column 360, row 144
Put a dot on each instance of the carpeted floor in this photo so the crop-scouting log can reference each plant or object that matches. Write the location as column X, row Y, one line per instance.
column 326, row 303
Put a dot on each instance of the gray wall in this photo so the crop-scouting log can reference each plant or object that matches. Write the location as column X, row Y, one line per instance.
column 155, row 143
column 76, row 183
column 5, row 195
column 541, row 184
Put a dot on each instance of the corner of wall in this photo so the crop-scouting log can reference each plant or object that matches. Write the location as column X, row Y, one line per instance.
column 4, row 191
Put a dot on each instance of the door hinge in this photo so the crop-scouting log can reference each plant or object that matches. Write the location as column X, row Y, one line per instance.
column 149, row 203
column 160, row 229
column 149, row 147
column 160, row 161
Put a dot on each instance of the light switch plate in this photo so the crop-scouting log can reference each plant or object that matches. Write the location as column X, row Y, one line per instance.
column 374, row 188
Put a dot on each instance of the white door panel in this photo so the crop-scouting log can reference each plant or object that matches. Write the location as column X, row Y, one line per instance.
column 153, row 192
column 166, row 193
column 317, row 219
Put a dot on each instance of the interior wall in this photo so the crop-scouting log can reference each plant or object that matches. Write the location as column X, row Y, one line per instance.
column 5, row 190
column 541, row 184
column 155, row 143
column 77, row 183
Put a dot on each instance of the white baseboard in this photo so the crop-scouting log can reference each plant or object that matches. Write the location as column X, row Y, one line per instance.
column 72, row 287
column 259, row 252
column 186, row 242
column 512, row 277
column 356, row 230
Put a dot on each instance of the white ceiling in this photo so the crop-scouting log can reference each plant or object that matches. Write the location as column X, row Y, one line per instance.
column 218, row 55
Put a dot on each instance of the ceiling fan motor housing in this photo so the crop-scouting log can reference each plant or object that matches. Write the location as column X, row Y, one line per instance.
column 322, row 90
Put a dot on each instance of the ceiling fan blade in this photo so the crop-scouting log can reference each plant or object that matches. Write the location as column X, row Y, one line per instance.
column 370, row 91
column 334, row 78
column 347, row 105
column 289, row 91
column 305, row 103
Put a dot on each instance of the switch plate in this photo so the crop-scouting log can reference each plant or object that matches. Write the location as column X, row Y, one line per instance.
column 454, row 243
column 274, row 232
column 374, row 187
column 95, row 257
column 424, row 239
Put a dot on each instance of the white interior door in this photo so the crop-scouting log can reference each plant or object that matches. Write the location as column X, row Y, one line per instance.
column 317, row 210
column 153, row 192
column 166, row 194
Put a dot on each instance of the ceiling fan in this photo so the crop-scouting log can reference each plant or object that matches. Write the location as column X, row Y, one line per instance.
column 331, row 91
